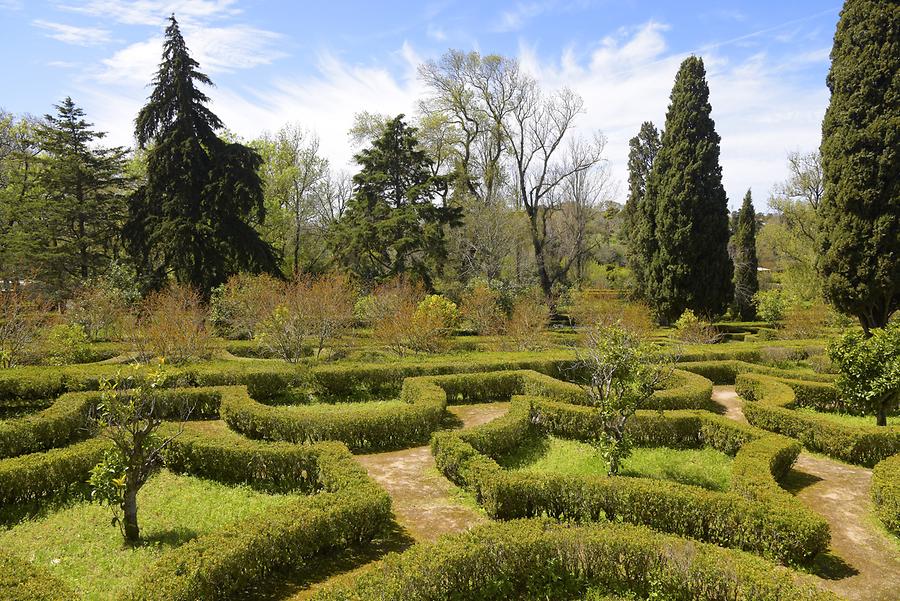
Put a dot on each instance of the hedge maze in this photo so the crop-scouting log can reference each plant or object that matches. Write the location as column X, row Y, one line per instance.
column 277, row 429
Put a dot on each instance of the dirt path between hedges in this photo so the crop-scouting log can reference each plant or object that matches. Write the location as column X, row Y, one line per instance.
column 423, row 499
column 865, row 561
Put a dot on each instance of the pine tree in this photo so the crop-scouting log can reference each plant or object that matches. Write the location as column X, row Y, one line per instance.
column 859, row 239
column 639, row 218
column 392, row 225
column 195, row 214
column 690, row 267
column 81, row 201
column 743, row 242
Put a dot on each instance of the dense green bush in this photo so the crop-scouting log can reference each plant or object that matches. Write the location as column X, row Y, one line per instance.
column 886, row 492
column 536, row 560
column 38, row 475
column 24, row 581
column 771, row 402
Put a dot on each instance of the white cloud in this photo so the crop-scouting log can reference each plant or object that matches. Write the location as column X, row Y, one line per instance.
column 154, row 12
column 70, row 34
column 11, row 5
column 515, row 18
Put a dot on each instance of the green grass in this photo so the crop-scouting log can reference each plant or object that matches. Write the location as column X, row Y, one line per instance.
column 79, row 544
column 706, row 468
column 847, row 420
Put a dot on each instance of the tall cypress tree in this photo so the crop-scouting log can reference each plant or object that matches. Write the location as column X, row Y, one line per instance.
column 195, row 214
column 743, row 243
column 639, row 220
column 859, row 239
column 81, row 206
column 690, row 267
column 392, row 225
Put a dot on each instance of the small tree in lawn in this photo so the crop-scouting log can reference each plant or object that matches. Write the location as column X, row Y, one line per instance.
column 624, row 371
column 129, row 414
column 870, row 370
column 21, row 318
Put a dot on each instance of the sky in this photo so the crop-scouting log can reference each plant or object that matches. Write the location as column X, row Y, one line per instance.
column 319, row 63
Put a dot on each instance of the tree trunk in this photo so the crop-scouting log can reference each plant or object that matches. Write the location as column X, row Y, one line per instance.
column 129, row 520
column 881, row 419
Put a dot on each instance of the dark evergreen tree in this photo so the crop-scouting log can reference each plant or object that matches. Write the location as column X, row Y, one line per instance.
column 743, row 245
column 690, row 267
column 639, row 218
column 860, row 212
column 80, row 203
column 195, row 214
column 393, row 224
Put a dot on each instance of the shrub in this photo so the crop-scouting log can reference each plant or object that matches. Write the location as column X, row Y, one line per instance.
column 239, row 305
column 66, row 344
column 171, row 325
column 283, row 331
column 537, row 560
column 432, row 324
column 588, row 310
column 24, row 581
column 330, row 301
column 770, row 305
column 886, row 492
column 481, row 308
column 804, row 321
column 100, row 308
column 690, row 328
column 21, row 317
column 391, row 313
column 526, row 323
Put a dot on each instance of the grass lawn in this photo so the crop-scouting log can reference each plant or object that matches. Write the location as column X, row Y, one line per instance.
column 78, row 543
column 706, row 468
column 847, row 420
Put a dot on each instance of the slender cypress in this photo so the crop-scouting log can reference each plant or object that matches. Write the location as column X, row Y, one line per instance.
column 859, row 240
column 690, row 267
column 746, row 281
column 639, row 218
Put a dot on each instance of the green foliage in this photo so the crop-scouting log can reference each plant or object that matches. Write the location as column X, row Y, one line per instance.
column 433, row 323
column 886, row 492
column 870, row 370
column 770, row 305
column 60, row 471
column 238, row 306
column 393, row 225
column 690, row 267
column 195, row 213
column 536, row 560
column 859, row 241
column 743, row 241
column 24, row 581
column 66, row 344
column 107, row 482
column 640, row 215
column 624, row 372
column 690, row 328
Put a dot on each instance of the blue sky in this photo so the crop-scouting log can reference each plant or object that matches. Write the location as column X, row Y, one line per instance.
column 318, row 63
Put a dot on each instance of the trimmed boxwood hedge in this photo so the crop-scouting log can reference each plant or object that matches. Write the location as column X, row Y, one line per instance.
column 726, row 371
column 757, row 516
column 348, row 508
column 770, row 403
column 23, row 581
column 532, row 559
column 36, row 475
column 886, row 492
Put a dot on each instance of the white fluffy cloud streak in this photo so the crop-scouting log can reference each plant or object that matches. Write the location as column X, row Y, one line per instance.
column 154, row 12
column 70, row 34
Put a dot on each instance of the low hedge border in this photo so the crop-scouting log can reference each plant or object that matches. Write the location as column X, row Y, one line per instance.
column 726, row 371
column 536, row 559
column 757, row 516
column 420, row 408
column 58, row 471
column 23, row 581
column 770, row 402
column 886, row 492
column 348, row 508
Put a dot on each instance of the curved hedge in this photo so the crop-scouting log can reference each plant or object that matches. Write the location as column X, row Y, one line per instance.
column 23, row 581
column 420, row 408
column 536, row 560
column 757, row 516
column 886, row 492
column 347, row 508
column 770, row 402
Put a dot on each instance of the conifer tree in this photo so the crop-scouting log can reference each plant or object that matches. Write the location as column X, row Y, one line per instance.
column 690, row 267
column 392, row 224
column 746, row 281
column 80, row 205
column 639, row 219
column 859, row 238
column 195, row 214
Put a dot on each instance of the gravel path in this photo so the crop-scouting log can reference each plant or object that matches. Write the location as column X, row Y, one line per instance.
column 865, row 562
